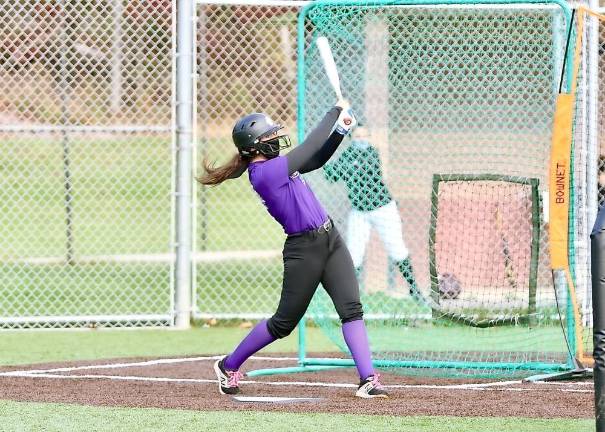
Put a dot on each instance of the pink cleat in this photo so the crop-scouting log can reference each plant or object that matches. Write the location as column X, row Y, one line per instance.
column 228, row 381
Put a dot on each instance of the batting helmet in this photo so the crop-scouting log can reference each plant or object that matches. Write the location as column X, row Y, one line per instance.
column 249, row 131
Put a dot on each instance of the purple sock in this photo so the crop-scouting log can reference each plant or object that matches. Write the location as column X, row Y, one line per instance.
column 356, row 338
column 258, row 338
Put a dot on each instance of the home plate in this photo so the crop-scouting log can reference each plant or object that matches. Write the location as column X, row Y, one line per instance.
column 274, row 399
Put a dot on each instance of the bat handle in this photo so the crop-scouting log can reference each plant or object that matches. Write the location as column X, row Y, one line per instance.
column 341, row 101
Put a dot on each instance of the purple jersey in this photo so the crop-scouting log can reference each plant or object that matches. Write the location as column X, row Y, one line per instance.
column 288, row 198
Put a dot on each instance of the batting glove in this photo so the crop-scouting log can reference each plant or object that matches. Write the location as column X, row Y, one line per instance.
column 346, row 121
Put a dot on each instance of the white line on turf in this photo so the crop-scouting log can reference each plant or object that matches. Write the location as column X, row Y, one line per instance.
column 49, row 373
column 182, row 380
column 285, row 383
column 136, row 364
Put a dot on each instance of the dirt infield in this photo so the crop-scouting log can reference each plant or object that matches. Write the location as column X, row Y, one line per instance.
column 189, row 383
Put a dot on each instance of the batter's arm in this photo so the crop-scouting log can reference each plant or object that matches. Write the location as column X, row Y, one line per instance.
column 303, row 154
column 323, row 154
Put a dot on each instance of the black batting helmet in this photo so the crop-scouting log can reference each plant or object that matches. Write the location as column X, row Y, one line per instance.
column 249, row 131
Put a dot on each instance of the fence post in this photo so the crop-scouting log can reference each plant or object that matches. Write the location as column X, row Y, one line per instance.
column 184, row 149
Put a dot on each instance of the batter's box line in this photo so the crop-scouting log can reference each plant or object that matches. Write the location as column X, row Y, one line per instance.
column 473, row 387
column 135, row 364
column 48, row 373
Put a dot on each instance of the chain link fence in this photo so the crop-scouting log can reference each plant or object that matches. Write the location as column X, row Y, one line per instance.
column 246, row 63
column 87, row 163
column 600, row 111
column 86, row 131
column 236, row 77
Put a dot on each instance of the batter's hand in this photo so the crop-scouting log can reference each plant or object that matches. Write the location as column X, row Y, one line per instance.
column 346, row 121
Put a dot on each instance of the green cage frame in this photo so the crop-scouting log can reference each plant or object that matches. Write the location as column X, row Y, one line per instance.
column 308, row 364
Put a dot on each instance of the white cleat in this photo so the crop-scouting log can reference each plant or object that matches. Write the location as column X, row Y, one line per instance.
column 371, row 388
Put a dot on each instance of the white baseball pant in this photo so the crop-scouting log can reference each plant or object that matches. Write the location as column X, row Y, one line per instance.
column 386, row 221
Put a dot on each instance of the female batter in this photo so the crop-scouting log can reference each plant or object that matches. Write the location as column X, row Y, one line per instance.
column 359, row 167
column 313, row 252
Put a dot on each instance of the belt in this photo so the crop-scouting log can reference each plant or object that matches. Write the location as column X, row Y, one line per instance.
column 323, row 228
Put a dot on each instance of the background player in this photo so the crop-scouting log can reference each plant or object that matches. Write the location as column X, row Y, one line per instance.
column 372, row 205
column 313, row 252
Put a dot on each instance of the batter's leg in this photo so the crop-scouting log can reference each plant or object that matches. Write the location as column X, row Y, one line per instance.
column 339, row 281
column 304, row 259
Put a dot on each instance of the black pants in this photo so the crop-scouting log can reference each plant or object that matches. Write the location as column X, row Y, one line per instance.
column 311, row 258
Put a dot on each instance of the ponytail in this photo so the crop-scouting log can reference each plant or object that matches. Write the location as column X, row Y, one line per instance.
column 216, row 175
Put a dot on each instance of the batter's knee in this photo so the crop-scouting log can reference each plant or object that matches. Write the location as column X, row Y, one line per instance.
column 280, row 328
column 351, row 311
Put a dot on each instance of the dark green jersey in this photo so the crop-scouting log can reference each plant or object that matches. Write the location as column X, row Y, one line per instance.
column 358, row 166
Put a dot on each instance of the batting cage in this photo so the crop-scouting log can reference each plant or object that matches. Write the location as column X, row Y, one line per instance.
column 443, row 192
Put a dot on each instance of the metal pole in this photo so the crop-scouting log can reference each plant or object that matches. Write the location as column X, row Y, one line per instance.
column 203, row 141
column 184, row 149
column 597, row 244
column 593, row 151
column 302, row 341
column 65, row 142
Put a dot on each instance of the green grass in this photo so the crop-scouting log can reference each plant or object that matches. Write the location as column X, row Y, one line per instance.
column 241, row 286
column 121, row 200
column 53, row 346
column 84, row 289
column 423, row 337
column 231, row 217
column 137, row 288
column 20, row 416
column 24, row 347
column 121, row 205
column 121, row 196
column 422, row 340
